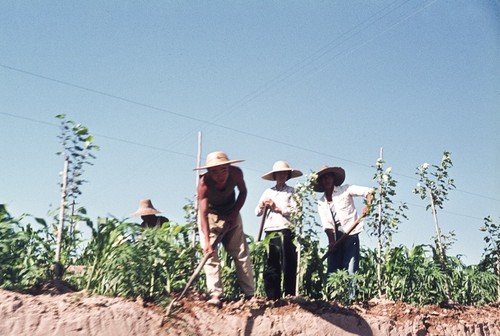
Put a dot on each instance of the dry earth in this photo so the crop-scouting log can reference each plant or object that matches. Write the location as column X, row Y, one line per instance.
column 50, row 311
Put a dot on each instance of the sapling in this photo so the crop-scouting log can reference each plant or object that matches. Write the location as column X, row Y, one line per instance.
column 492, row 250
column 385, row 221
column 434, row 186
column 78, row 147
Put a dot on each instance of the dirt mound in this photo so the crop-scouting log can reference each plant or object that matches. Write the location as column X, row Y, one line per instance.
column 78, row 313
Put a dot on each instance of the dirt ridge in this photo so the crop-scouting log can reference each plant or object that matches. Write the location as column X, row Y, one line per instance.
column 80, row 313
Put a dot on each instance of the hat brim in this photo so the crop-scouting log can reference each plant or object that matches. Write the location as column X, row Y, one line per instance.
column 293, row 173
column 218, row 164
column 338, row 173
column 145, row 212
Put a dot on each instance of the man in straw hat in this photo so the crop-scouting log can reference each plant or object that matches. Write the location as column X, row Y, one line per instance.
column 282, row 255
column 338, row 216
column 219, row 208
column 147, row 212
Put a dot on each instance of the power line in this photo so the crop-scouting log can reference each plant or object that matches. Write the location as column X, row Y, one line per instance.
column 264, row 138
column 100, row 135
column 267, row 86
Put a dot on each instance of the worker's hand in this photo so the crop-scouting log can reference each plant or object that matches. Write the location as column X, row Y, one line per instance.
column 365, row 211
column 272, row 206
column 208, row 250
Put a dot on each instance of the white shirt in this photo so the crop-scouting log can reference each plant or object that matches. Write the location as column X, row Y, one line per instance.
column 342, row 208
column 284, row 200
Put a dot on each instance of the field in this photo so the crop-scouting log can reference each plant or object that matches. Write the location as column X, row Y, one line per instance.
column 56, row 310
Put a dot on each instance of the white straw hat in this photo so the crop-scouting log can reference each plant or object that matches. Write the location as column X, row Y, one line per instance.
column 338, row 173
column 215, row 159
column 145, row 208
column 280, row 166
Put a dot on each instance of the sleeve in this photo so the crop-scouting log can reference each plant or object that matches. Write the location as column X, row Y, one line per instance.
column 258, row 210
column 355, row 190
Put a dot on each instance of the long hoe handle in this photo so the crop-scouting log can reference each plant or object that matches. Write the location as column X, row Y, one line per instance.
column 198, row 269
column 264, row 215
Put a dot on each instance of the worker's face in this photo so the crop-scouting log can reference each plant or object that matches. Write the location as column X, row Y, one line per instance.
column 219, row 174
column 327, row 181
column 281, row 177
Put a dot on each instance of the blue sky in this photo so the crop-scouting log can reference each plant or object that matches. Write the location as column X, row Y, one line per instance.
column 309, row 82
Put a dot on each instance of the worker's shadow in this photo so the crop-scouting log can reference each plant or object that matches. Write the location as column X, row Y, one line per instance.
column 342, row 319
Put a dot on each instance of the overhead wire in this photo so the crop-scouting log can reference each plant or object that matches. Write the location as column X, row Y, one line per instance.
column 303, row 64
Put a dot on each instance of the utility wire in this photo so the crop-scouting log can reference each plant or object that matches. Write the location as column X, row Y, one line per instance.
column 248, row 98
column 193, row 156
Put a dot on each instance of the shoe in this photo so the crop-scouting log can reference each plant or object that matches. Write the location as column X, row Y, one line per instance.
column 215, row 301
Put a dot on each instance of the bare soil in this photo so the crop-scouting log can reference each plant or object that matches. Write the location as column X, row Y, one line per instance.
column 58, row 310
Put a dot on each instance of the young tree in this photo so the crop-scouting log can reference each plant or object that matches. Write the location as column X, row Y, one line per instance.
column 310, row 268
column 385, row 221
column 434, row 186
column 78, row 147
column 492, row 250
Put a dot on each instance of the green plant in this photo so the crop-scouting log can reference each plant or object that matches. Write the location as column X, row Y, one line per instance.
column 310, row 267
column 385, row 221
column 125, row 260
column 78, row 148
column 491, row 253
column 434, row 185
column 25, row 253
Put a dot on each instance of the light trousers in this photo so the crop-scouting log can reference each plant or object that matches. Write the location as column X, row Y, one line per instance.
column 236, row 246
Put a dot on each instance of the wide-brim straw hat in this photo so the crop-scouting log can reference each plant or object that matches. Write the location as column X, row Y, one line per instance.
column 280, row 166
column 215, row 159
column 145, row 208
column 338, row 173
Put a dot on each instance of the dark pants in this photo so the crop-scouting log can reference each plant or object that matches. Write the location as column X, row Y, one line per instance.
column 282, row 258
column 346, row 256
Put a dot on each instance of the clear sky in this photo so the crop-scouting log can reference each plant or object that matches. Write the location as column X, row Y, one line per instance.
column 308, row 82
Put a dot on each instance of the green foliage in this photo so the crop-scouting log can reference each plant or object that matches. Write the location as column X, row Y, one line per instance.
column 385, row 222
column 123, row 260
column 310, row 266
column 258, row 252
column 339, row 286
column 434, row 182
column 78, row 147
column 471, row 286
column 26, row 254
column 77, row 152
column 491, row 253
column 434, row 185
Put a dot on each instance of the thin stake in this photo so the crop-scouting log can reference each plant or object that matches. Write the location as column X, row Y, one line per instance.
column 379, row 232
column 197, row 172
column 57, row 259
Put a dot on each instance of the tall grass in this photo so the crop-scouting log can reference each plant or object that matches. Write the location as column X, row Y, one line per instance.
column 122, row 259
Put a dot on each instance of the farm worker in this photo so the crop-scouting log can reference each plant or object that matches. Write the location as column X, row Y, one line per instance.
column 282, row 255
column 338, row 216
column 147, row 212
column 219, row 207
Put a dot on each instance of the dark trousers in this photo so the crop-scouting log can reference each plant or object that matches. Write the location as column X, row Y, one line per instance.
column 281, row 259
column 346, row 256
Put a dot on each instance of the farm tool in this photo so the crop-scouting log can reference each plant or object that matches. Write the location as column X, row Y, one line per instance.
column 264, row 215
column 198, row 268
column 332, row 249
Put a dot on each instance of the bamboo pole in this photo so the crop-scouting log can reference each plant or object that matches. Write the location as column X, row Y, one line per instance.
column 379, row 231
column 197, row 172
column 441, row 250
column 57, row 260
